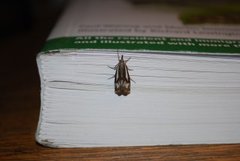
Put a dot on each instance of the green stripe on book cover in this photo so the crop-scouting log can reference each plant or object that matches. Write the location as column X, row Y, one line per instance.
column 141, row 43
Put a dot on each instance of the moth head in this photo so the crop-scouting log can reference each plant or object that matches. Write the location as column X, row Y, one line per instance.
column 120, row 59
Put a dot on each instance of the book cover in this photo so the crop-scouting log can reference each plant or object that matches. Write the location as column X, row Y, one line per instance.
column 133, row 73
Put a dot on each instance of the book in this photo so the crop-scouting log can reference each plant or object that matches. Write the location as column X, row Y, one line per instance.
column 138, row 73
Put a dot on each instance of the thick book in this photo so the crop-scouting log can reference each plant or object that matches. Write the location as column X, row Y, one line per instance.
column 134, row 73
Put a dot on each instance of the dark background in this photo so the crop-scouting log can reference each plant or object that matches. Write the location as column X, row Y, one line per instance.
column 24, row 27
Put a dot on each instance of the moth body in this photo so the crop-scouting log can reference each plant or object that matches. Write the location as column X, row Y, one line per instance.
column 122, row 80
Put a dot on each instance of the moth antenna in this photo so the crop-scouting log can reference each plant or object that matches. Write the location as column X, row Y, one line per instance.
column 118, row 55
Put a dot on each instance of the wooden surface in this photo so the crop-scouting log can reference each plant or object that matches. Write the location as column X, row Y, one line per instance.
column 20, row 104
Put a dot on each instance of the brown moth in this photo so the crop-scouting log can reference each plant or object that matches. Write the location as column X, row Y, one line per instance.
column 122, row 80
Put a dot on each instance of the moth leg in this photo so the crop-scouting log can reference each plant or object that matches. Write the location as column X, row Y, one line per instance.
column 114, row 68
column 130, row 69
column 127, row 60
column 132, row 80
column 111, row 77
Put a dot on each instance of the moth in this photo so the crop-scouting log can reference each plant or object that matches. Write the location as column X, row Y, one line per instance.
column 122, row 80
